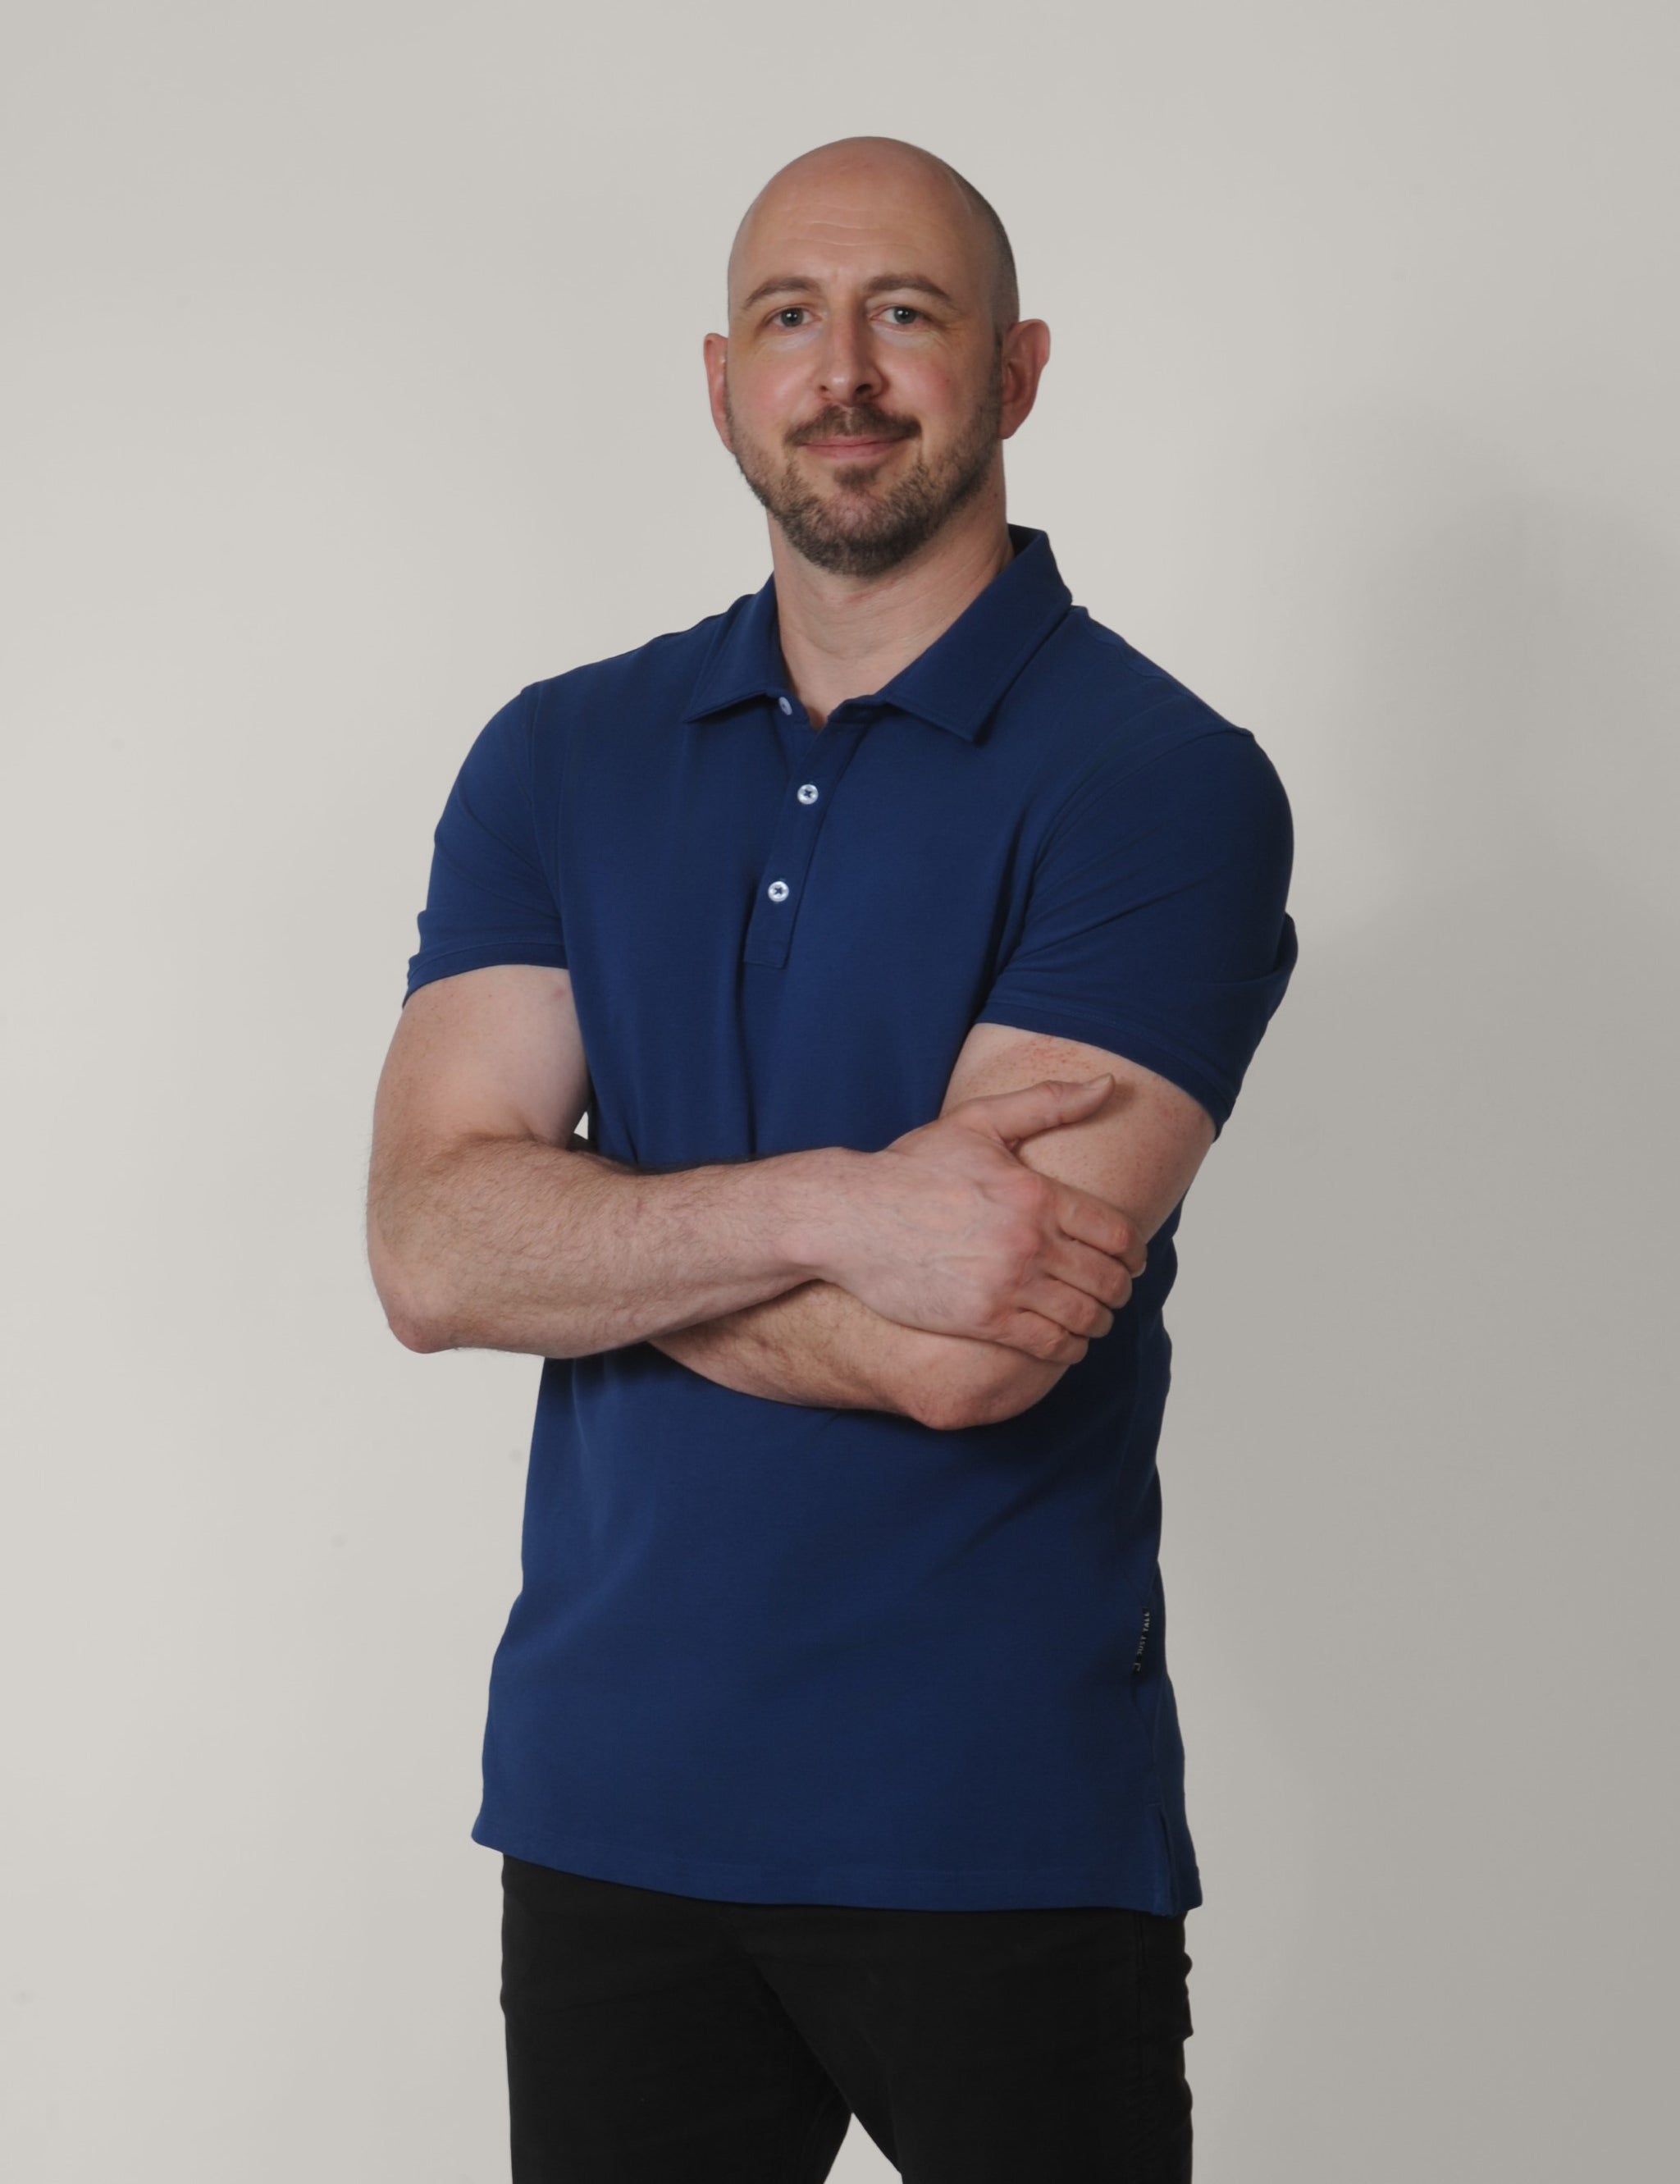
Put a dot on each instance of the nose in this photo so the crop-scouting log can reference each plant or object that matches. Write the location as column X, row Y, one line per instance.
column 848, row 372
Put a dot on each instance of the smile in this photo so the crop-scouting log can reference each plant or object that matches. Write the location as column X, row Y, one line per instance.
column 851, row 451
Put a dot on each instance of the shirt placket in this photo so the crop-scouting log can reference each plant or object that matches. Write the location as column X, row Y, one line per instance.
column 811, row 783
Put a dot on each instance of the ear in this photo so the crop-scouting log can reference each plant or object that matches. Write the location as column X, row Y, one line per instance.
column 1026, row 351
column 716, row 351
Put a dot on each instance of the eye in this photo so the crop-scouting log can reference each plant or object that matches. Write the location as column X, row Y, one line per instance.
column 788, row 310
column 909, row 308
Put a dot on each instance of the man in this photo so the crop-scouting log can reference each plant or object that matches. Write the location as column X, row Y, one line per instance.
column 905, row 935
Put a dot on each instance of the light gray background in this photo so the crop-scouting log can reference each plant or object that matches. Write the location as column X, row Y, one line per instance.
column 353, row 380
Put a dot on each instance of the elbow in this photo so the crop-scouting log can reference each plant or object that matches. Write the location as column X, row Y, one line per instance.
column 415, row 1333
column 984, row 1394
column 413, row 1327
column 412, row 1316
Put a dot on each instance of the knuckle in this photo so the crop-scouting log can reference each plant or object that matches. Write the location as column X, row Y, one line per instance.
column 1036, row 1193
column 988, row 1311
column 1000, row 1309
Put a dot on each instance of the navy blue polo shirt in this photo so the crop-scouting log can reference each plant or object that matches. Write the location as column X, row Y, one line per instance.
column 770, row 1653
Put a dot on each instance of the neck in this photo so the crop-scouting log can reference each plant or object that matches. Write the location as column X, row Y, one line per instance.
column 843, row 637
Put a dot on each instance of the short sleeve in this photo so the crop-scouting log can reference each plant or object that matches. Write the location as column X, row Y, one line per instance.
column 1155, row 925
column 491, row 897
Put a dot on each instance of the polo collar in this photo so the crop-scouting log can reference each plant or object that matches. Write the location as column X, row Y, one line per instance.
column 955, row 684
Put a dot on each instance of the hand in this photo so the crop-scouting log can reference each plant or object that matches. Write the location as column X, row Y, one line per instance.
column 945, row 1230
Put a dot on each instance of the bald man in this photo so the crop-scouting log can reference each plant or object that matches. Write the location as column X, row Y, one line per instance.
column 904, row 934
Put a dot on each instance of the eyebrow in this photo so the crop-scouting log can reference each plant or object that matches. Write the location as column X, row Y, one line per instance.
column 787, row 284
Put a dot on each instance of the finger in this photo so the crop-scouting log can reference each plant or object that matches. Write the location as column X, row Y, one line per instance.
column 1035, row 1336
column 1012, row 1116
column 1092, row 1220
column 1098, row 1274
column 1075, row 1309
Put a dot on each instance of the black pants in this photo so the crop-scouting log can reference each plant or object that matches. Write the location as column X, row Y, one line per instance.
column 659, row 2039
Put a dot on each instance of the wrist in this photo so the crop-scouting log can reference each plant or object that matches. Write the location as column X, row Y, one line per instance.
column 816, row 1190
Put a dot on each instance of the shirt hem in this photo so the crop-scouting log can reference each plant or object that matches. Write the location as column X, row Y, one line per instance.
column 883, row 1887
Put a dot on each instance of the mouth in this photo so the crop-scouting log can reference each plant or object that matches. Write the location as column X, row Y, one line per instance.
column 852, row 451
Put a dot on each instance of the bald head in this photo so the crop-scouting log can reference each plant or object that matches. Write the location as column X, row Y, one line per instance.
column 876, row 360
column 845, row 184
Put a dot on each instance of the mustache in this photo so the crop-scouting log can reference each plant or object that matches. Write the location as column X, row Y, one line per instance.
column 854, row 424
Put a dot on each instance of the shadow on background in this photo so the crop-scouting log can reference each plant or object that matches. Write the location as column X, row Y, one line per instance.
column 1426, row 1586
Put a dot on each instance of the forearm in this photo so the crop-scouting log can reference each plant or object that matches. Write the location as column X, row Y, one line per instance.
column 817, row 1344
column 510, row 1244
column 821, row 1345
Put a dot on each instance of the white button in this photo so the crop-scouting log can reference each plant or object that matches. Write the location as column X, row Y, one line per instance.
column 785, row 705
column 808, row 792
column 778, row 890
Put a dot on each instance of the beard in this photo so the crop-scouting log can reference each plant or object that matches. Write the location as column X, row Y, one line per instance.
column 856, row 531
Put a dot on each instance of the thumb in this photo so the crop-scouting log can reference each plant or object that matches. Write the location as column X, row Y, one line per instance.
column 1012, row 1116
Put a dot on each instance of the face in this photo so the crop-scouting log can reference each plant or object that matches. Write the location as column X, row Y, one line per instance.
column 864, row 389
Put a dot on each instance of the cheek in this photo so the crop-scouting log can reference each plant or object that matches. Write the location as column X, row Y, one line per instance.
column 767, row 398
column 933, row 383
column 942, row 399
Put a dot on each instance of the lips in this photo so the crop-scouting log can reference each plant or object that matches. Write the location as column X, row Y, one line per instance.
column 852, row 450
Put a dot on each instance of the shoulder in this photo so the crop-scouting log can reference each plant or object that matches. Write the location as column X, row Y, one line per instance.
column 606, row 716
column 1121, row 727
column 657, row 676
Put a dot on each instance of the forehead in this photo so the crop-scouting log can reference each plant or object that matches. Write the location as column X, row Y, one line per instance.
column 835, row 229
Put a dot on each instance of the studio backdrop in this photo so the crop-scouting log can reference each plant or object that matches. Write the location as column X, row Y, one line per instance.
column 353, row 380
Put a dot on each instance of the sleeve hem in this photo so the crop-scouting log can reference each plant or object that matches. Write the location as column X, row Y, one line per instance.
column 1127, row 1040
column 454, row 961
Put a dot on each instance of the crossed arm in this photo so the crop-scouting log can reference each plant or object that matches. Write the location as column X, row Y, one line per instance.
column 478, row 1200
column 819, row 1344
